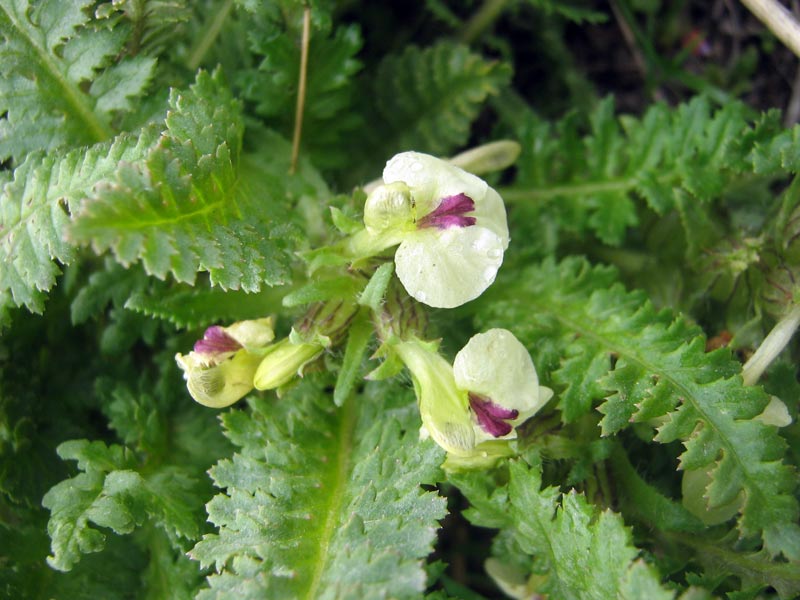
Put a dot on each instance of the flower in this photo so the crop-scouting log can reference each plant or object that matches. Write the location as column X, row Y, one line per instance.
column 491, row 388
column 220, row 369
column 450, row 226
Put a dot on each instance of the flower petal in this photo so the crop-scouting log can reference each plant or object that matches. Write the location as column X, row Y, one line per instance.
column 447, row 268
column 432, row 179
column 496, row 365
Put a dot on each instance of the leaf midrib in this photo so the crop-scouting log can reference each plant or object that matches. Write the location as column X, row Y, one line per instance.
column 337, row 497
column 688, row 395
column 73, row 96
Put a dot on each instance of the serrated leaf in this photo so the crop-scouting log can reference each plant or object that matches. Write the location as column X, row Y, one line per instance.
column 35, row 208
column 593, row 172
column 111, row 494
column 323, row 502
column 581, row 552
column 661, row 371
column 429, row 97
column 49, row 52
column 182, row 209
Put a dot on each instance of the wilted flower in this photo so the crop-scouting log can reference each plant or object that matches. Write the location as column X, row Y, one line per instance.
column 491, row 388
column 450, row 226
column 220, row 369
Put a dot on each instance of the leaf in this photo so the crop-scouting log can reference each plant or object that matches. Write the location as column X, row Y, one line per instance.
column 593, row 175
column 323, row 502
column 358, row 339
column 582, row 553
column 662, row 372
column 35, row 208
column 56, row 85
column 428, row 98
column 183, row 209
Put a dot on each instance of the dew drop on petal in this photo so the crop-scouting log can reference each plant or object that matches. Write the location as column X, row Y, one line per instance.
column 489, row 274
column 416, row 167
column 421, row 296
column 495, row 253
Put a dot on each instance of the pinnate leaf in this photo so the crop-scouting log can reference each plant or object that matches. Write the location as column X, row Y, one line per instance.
column 660, row 371
column 323, row 502
column 57, row 88
column 582, row 553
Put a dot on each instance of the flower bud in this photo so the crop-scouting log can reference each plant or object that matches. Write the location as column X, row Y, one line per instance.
column 284, row 361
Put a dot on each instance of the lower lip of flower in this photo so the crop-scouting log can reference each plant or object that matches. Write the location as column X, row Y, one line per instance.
column 451, row 212
column 492, row 417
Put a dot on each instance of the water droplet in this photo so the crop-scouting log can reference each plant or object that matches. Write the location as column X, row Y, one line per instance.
column 495, row 253
column 421, row 296
column 488, row 274
column 416, row 167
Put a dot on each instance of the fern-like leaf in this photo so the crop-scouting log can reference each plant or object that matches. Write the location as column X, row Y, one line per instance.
column 35, row 207
column 661, row 371
column 580, row 552
column 182, row 209
column 323, row 502
column 56, row 86
column 428, row 98
column 594, row 174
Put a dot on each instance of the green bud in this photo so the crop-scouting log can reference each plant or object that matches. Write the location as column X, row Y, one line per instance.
column 283, row 362
column 694, row 484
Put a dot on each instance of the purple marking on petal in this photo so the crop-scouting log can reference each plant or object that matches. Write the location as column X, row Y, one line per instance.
column 492, row 417
column 216, row 341
column 451, row 212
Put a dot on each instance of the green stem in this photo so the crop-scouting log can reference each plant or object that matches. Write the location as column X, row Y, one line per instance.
column 481, row 20
column 583, row 188
column 207, row 38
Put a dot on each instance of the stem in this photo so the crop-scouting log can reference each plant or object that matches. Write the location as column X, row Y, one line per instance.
column 301, row 89
column 779, row 20
column 574, row 189
column 210, row 34
column 772, row 345
column 481, row 20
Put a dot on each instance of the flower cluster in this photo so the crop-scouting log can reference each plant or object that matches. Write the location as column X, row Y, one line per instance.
column 450, row 232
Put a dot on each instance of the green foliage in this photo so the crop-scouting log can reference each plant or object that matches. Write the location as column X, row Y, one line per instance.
column 150, row 189
column 323, row 502
column 661, row 374
column 426, row 99
column 182, row 211
column 580, row 551
column 592, row 176
column 59, row 86
column 35, row 207
column 330, row 90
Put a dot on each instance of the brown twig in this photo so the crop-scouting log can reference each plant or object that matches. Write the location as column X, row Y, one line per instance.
column 301, row 89
column 778, row 20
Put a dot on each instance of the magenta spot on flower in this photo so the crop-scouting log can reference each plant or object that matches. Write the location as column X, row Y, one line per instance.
column 492, row 417
column 216, row 341
column 451, row 212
